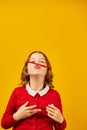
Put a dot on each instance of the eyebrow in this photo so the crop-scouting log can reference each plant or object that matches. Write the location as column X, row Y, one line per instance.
column 39, row 58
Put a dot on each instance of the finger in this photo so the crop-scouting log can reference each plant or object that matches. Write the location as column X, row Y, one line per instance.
column 53, row 107
column 51, row 116
column 25, row 104
column 50, row 109
column 31, row 107
column 50, row 112
column 34, row 110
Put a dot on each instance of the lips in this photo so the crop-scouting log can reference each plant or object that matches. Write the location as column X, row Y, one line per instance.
column 37, row 66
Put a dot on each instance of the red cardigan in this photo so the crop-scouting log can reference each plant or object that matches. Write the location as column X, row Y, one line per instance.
column 39, row 121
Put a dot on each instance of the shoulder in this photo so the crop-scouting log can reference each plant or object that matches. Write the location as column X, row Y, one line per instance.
column 54, row 93
column 19, row 89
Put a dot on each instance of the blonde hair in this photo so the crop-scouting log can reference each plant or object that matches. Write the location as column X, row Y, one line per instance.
column 25, row 78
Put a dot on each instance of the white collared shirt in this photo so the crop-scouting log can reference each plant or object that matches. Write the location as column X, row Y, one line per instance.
column 33, row 92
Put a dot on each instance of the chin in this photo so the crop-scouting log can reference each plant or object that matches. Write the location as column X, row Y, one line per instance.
column 36, row 74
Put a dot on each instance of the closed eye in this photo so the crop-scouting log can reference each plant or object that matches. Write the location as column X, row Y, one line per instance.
column 32, row 61
column 42, row 61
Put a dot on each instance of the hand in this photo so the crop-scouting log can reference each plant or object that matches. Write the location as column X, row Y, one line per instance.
column 25, row 111
column 54, row 113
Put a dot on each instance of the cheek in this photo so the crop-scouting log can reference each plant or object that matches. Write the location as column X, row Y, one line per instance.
column 44, row 71
column 30, row 68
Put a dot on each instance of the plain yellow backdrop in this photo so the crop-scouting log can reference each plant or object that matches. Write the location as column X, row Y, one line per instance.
column 59, row 29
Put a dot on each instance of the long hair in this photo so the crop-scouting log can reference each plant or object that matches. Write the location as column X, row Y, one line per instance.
column 25, row 78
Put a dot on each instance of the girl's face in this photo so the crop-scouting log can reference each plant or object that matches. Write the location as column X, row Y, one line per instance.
column 36, row 69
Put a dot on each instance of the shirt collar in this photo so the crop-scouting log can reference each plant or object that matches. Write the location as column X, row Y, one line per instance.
column 33, row 92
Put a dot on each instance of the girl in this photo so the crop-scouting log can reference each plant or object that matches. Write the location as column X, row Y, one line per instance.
column 35, row 105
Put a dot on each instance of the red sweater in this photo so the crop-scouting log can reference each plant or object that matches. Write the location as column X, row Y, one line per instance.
column 39, row 121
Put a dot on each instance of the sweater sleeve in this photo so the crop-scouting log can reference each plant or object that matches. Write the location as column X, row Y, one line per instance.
column 59, row 126
column 7, row 120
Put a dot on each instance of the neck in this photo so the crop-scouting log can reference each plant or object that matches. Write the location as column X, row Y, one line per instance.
column 37, row 82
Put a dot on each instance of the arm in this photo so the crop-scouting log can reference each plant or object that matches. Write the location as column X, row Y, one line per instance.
column 7, row 120
column 55, row 112
column 12, row 116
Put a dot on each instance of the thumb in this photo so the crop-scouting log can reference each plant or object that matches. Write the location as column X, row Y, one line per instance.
column 25, row 104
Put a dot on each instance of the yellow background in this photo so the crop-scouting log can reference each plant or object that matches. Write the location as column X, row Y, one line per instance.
column 59, row 29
